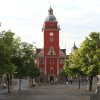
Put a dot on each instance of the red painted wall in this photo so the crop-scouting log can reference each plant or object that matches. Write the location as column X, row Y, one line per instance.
column 47, row 42
column 51, row 27
column 54, row 66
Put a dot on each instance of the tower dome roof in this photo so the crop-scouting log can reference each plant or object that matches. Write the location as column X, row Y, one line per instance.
column 50, row 16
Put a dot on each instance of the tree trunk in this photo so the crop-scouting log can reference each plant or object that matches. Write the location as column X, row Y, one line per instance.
column 90, row 86
column 79, row 82
column 20, row 83
column 8, row 80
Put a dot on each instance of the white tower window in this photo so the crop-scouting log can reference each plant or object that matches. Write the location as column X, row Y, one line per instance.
column 51, row 39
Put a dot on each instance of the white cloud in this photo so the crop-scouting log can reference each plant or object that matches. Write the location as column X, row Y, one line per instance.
column 77, row 19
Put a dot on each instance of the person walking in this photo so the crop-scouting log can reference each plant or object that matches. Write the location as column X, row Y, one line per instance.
column 34, row 83
column 56, row 81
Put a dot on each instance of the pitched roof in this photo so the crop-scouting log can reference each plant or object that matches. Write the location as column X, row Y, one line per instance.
column 40, row 52
column 62, row 53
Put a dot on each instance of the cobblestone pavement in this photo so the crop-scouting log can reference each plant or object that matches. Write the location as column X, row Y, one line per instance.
column 47, row 92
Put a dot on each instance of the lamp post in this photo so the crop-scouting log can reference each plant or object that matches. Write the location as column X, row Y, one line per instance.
column 0, row 23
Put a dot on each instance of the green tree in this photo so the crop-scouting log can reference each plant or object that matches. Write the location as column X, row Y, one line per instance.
column 24, row 61
column 73, row 65
column 15, row 57
column 86, row 60
column 6, row 53
column 89, row 50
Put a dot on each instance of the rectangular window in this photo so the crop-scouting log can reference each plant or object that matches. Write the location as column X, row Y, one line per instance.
column 61, row 70
column 51, row 39
column 51, row 61
column 41, row 61
column 41, row 70
column 51, row 25
column 62, row 60
column 51, row 70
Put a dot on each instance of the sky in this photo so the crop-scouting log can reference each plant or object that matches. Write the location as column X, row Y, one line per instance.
column 77, row 19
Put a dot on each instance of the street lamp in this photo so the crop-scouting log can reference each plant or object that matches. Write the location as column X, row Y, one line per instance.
column 0, row 23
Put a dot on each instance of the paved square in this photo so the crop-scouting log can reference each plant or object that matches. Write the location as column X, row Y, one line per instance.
column 48, row 92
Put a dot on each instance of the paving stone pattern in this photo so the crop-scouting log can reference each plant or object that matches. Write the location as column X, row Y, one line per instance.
column 47, row 92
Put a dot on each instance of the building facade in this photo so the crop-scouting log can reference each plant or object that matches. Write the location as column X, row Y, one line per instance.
column 50, row 58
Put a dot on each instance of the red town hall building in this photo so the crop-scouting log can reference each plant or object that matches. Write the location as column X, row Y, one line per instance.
column 50, row 58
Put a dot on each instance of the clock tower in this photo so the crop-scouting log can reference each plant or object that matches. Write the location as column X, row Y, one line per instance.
column 51, row 55
column 51, row 35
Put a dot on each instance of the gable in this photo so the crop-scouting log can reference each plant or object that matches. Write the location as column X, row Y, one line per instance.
column 51, row 51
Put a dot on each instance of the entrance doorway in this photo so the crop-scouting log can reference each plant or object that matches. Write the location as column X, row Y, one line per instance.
column 51, row 79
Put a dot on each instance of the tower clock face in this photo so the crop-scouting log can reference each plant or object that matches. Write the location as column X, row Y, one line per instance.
column 51, row 33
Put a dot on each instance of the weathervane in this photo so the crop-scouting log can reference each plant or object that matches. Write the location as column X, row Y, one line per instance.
column 50, row 3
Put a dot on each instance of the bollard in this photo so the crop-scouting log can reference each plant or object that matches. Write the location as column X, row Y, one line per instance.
column 98, row 89
column 87, row 87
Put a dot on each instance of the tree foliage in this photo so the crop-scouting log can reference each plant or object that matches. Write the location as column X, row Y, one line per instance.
column 86, row 59
column 90, row 51
column 33, row 71
column 16, row 56
column 6, row 52
column 24, row 59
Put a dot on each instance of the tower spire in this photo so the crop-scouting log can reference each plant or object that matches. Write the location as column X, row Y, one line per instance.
column 50, row 3
column 50, row 16
column 50, row 11
column 74, row 44
column 74, row 47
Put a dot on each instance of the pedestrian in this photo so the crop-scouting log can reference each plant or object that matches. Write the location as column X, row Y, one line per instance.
column 67, row 81
column 70, row 80
column 4, row 86
column 56, row 80
column 52, row 81
column 34, row 83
